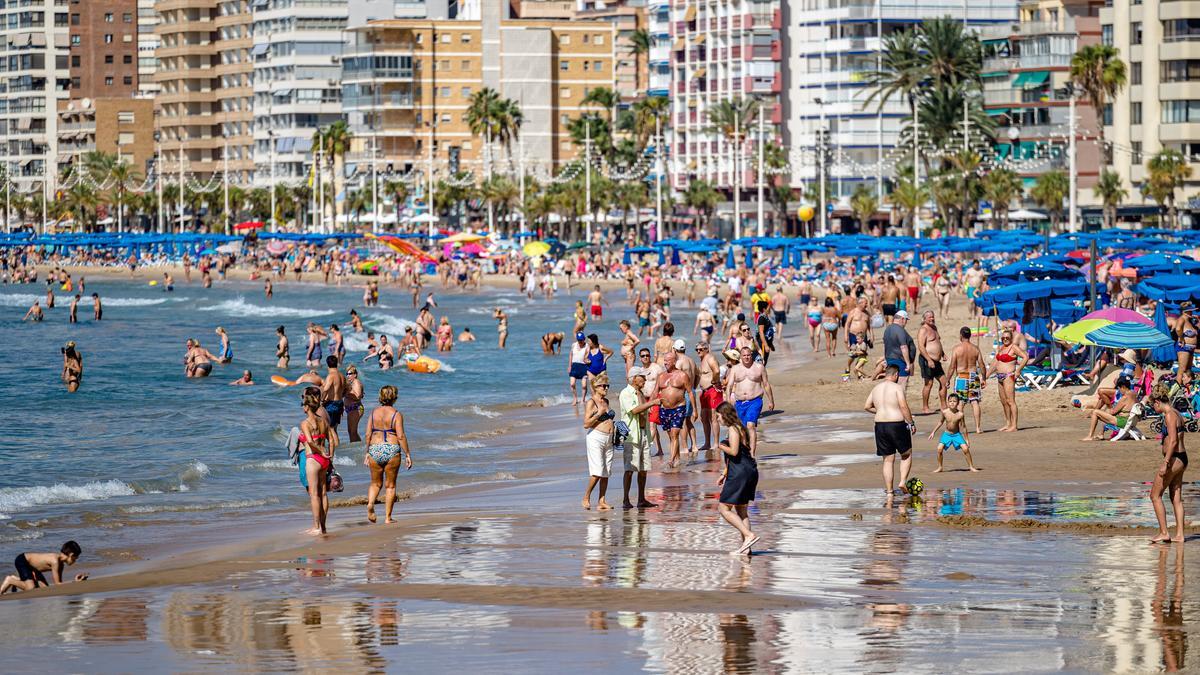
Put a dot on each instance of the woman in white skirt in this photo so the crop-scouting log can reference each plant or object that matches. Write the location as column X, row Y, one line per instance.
column 598, row 422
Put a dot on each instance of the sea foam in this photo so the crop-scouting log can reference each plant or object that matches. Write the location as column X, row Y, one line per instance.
column 240, row 308
column 22, row 498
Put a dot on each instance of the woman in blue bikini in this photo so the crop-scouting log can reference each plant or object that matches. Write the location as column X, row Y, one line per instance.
column 385, row 439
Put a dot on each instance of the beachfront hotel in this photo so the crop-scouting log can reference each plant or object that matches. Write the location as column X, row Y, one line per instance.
column 407, row 85
column 1160, row 107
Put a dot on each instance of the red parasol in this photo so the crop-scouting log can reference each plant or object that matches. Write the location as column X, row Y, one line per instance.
column 250, row 225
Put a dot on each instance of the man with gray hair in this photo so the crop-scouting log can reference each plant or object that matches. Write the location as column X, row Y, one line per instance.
column 635, row 414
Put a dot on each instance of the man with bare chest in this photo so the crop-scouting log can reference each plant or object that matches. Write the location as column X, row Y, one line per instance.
column 929, row 346
column 673, row 386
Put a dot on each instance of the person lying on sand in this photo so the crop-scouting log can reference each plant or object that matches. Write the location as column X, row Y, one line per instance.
column 32, row 566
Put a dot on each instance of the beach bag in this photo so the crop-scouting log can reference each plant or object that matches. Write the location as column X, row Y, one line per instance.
column 620, row 433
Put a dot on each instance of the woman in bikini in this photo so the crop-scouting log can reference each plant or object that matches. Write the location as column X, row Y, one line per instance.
column 814, row 323
column 445, row 335
column 1185, row 337
column 319, row 444
column 385, row 440
column 72, row 372
column 629, row 343
column 830, row 322
column 580, row 317
column 352, row 402
column 1170, row 471
column 1010, row 359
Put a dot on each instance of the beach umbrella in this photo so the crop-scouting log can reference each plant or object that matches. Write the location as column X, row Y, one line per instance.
column 1164, row 353
column 249, row 225
column 463, row 238
column 578, row 245
column 535, row 248
column 1076, row 333
column 1129, row 336
column 1118, row 315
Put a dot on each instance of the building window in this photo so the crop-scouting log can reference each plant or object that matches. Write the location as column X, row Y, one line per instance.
column 466, row 37
column 127, row 59
column 444, row 92
column 74, row 19
column 564, row 65
column 1136, row 147
column 564, row 39
column 74, row 61
column 108, row 81
column 1135, row 32
column 445, row 38
column 128, row 79
column 125, row 117
column 125, row 138
column 598, row 66
column 108, row 38
column 586, row 66
column 420, row 38
column 1135, row 72
column 599, row 40
column 466, row 65
column 108, row 58
column 445, row 118
column 1181, row 29
column 564, row 120
column 1184, row 70
column 1106, row 34
column 127, row 18
column 1135, row 112
column 564, row 92
column 108, row 17
column 1178, row 112
column 74, row 82
column 586, row 38
column 1108, row 115
column 466, row 92
column 444, row 64
column 75, row 40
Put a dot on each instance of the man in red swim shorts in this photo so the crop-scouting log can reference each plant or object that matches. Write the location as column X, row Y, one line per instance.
column 596, row 300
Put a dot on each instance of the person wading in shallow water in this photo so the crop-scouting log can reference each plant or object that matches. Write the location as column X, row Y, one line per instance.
column 1170, row 470
column 385, row 441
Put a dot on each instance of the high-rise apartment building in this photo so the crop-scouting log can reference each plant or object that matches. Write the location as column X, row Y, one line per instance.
column 104, row 47
column 1026, row 72
column 147, row 43
column 407, row 86
column 658, row 62
column 205, row 106
column 1160, row 107
column 831, row 45
column 34, row 39
column 297, row 81
column 721, row 50
column 118, row 126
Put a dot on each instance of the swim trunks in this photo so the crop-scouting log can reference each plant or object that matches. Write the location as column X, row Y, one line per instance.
column 930, row 371
column 889, row 309
column 597, row 311
column 653, row 414
column 952, row 441
column 968, row 388
column 913, row 291
column 903, row 366
column 643, row 321
column 579, row 370
column 335, row 410
column 711, row 398
column 892, row 438
column 206, row 367
column 26, row 572
column 672, row 418
column 780, row 317
column 750, row 410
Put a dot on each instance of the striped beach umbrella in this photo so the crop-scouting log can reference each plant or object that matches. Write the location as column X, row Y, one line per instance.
column 1128, row 335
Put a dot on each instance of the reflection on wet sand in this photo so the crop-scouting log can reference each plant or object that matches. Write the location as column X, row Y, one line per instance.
column 1167, row 607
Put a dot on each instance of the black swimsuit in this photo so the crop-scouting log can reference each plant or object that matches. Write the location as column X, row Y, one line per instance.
column 1182, row 456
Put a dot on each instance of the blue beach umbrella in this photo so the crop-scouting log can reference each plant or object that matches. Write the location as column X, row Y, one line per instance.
column 1165, row 353
column 1129, row 335
column 730, row 262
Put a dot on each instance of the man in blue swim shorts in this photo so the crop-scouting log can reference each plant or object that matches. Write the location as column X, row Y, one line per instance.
column 747, row 387
column 673, row 388
column 954, row 436
column 333, row 389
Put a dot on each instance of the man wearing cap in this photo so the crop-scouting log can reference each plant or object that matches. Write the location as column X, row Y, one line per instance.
column 688, row 366
column 634, row 412
column 577, row 367
column 760, row 295
column 673, row 387
column 652, row 370
column 898, row 346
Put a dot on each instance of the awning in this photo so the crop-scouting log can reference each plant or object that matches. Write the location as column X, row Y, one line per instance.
column 282, row 93
column 1000, row 73
column 700, row 39
column 998, row 111
column 260, row 3
column 679, row 44
column 62, row 40
column 38, row 39
column 304, row 144
column 700, row 72
column 259, row 50
column 690, row 14
column 995, row 41
column 1032, row 79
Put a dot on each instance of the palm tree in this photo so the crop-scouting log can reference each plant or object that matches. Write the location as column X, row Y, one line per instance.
column 645, row 113
column 493, row 118
column 639, row 47
column 1049, row 191
column 1001, row 187
column 122, row 174
column 907, row 197
column 1167, row 171
column 1111, row 190
column 970, row 188
column 901, row 72
column 1099, row 71
column 951, row 55
column 335, row 143
column 703, row 197
column 864, row 204
column 781, row 196
column 732, row 118
column 80, row 201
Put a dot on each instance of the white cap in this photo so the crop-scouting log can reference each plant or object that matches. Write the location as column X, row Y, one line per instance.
column 638, row 370
column 901, row 314
column 680, row 346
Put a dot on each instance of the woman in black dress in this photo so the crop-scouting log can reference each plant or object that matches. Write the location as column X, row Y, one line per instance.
column 740, row 478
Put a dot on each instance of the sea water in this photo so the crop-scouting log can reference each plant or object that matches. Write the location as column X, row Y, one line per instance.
column 141, row 451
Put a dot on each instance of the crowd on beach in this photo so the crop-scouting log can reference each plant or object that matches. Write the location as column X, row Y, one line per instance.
column 695, row 342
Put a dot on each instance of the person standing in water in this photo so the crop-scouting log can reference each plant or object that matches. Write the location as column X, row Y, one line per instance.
column 35, row 312
column 739, row 478
column 598, row 422
column 337, row 345
column 319, row 443
column 314, row 355
column 281, row 349
column 894, row 427
column 1170, row 470
column 73, row 317
column 269, row 289
column 72, row 371
column 333, row 391
column 97, row 307
column 226, row 353
column 352, row 402
column 577, row 367
column 385, row 441
column 501, row 326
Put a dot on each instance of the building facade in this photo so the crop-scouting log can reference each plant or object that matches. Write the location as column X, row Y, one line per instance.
column 118, row 126
column 1160, row 106
column 407, row 86
column 297, row 81
column 831, row 45
column 204, row 110
column 104, row 44
column 147, row 43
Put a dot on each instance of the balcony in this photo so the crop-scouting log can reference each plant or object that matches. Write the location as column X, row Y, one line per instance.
column 377, row 74
column 392, row 100
column 1027, row 62
column 1000, row 64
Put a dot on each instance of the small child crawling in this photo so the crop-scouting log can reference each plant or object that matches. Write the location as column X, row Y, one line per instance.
column 32, row 566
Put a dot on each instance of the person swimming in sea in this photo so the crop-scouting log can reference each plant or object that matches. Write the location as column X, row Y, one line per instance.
column 246, row 380
column 281, row 349
column 35, row 313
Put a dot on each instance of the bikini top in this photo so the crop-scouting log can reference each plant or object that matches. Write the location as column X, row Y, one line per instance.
column 389, row 430
column 318, row 437
column 1005, row 358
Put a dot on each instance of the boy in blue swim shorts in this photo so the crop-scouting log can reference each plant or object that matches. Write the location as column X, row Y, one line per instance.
column 954, row 436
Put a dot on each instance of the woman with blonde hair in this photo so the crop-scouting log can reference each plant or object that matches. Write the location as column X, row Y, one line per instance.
column 445, row 335
column 352, row 402
column 385, row 441
column 319, row 443
column 739, row 478
column 1170, row 471
column 598, row 422
column 226, row 354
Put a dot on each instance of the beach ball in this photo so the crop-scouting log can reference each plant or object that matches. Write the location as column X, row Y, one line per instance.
column 915, row 486
column 153, row 283
column 806, row 213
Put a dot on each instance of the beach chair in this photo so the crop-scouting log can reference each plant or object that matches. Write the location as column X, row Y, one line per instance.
column 1129, row 431
column 1049, row 378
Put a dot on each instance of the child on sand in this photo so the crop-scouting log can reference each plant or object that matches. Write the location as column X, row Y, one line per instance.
column 31, row 566
column 955, row 435
column 856, row 362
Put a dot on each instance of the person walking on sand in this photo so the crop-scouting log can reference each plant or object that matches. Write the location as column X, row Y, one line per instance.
column 898, row 347
column 966, row 362
column 598, row 422
column 635, row 414
column 385, row 440
column 281, row 349
column 780, row 305
column 319, row 443
column 931, row 355
column 746, row 387
column 739, row 479
column 955, row 436
column 1170, row 471
column 894, row 427
column 709, row 383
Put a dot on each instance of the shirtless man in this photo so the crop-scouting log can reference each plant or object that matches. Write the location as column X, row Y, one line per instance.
column 688, row 366
column 269, row 290
column 673, row 387
column 97, row 308
column 912, row 279
column 894, row 427
column 466, row 335
column 972, row 280
column 709, row 382
column 356, row 321
column 780, row 305
column 333, row 392
column 929, row 346
column 746, row 386
column 552, row 342
column 665, row 344
column 281, row 349
column 889, row 297
column 705, row 324
column 35, row 313
column 969, row 368
column 73, row 317
column 858, row 330
column 596, row 303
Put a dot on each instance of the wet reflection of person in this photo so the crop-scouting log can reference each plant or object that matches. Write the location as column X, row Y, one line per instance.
column 737, row 640
column 889, row 550
column 1168, row 612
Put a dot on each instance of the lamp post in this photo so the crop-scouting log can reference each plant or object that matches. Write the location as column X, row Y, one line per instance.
column 429, row 193
column 658, row 176
column 821, row 167
column 225, row 181
column 587, row 180
column 271, row 143
column 761, row 175
column 158, row 178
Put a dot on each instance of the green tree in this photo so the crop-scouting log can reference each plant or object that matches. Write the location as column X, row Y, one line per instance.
column 864, row 204
column 1167, row 172
column 703, row 197
column 908, row 197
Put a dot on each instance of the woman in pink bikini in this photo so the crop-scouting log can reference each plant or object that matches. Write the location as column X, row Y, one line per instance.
column 319, row 443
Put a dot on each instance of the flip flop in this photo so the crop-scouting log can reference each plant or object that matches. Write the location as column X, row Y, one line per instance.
column 746, row 545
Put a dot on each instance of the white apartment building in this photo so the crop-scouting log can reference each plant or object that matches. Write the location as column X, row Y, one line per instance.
column 297, row 81
column 34, row 38
column 148, row 42
column 831, row 45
